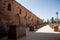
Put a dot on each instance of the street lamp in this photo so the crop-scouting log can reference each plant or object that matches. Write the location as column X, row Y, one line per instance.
column 57, row 17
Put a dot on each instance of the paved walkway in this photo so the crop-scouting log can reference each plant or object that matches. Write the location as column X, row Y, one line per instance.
column 44, row 33
column 46, row 29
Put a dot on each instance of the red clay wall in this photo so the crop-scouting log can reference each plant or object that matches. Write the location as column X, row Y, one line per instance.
column 18, row 16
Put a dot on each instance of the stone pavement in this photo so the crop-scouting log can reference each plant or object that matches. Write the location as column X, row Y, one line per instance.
column 44, row 33
column 47, row 29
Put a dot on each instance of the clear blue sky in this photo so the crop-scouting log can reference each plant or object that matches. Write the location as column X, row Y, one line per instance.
column 44, row 9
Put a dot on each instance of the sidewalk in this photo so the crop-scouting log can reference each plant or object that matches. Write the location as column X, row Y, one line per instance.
column 46, row 29
column 44, row 33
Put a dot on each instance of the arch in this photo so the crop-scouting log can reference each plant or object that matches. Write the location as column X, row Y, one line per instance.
column 9, row 7
column 20, row 11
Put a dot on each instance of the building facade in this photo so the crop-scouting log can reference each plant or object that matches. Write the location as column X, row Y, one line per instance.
column 16, row 17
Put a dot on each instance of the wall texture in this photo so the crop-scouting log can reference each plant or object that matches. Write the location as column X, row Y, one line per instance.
column 13, row 13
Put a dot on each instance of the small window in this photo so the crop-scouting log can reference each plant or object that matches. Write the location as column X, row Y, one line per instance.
column 9, row 7
column 20, row 11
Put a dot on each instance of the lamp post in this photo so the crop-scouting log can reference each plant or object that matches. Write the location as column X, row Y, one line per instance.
column 57, row 17
column 56, row 26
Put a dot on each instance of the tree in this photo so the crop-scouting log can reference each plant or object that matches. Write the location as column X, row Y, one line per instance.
column 52, row 20
column 55, row 20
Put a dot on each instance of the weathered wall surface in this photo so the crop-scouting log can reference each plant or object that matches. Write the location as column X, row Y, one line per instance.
column 13, row 13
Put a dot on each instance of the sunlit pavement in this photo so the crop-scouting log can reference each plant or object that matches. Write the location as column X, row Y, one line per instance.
column 44, row 33
column 46, row 29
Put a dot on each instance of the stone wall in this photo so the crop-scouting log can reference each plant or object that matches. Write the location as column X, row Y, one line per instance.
column 15, row 14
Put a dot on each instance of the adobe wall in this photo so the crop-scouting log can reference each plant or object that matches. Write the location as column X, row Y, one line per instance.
column 18, row 16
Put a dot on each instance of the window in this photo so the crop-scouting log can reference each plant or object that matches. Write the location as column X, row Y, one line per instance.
column 20, row 11
column 9, row 7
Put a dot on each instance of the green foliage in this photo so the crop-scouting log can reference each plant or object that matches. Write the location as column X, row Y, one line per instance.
column 52, row 20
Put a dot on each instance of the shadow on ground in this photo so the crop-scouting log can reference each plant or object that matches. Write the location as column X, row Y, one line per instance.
column 32, row 35
column 41, row 36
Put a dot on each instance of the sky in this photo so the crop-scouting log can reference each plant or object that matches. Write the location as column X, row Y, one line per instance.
column 44, row 9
